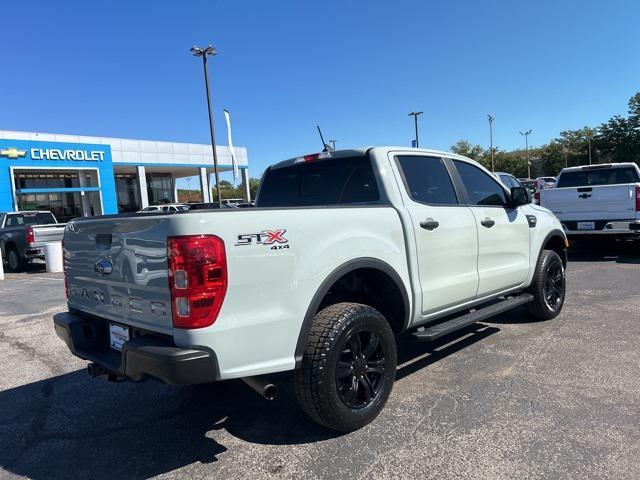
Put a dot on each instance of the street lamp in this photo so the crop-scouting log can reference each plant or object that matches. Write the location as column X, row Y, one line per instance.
column 526, row 141
column 333, row 142
column 491, row 119
column 415, row 120
column 204, row 53
column 588, row 135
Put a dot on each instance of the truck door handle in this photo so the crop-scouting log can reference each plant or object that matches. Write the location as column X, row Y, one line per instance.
column 429, row 224
column 487, row 222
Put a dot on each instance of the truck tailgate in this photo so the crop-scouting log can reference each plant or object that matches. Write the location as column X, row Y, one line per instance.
column 599, row 202
column 117, row 269
column 48, row 233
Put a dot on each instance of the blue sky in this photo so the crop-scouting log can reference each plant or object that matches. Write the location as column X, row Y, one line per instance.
column 357, row 68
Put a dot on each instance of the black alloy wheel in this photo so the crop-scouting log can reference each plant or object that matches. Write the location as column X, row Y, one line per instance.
column 554, row 286
column 361, row 369
column 548, row 287
column 348, row 366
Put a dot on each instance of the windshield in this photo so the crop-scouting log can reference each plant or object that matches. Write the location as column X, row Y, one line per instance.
column 605, row 176
column 35, row 218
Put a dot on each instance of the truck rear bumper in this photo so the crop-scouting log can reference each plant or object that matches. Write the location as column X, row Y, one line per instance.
column 144, row 356
column 620, row 228
column 34, row 252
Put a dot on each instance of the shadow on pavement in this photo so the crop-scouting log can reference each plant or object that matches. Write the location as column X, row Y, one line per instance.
column 605, row 250
column 70, row 426
column 414, row 355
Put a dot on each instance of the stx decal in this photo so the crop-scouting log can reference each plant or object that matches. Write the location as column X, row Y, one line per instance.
column 274, row 236
column 266, row 237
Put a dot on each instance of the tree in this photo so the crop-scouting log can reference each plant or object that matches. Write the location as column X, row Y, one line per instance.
column 254, row 183
column 514, row 162
column 224, row 184
column 464, row 148
column 619, row 138
column 229, row 190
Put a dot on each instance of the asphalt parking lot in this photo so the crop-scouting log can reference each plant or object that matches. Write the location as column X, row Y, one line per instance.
column 505, row 399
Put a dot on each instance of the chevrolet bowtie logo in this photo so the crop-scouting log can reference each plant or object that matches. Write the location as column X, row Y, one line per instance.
column 12, row 152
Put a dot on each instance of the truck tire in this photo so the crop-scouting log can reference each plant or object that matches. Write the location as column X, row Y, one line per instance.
column 548, row 287
column 14, row 262
column 348, row 366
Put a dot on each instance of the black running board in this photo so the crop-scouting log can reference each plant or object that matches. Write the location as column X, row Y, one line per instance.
column 457, row 323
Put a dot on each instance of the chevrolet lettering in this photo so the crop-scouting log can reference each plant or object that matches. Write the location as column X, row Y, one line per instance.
column 75, row 155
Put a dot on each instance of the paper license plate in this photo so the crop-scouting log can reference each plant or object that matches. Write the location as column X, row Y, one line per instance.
column 586, row 225
column 117, row 336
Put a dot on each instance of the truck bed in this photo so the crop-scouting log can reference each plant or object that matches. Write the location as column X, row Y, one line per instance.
column 271, row 254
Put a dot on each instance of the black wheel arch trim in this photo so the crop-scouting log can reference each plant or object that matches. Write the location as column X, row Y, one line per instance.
column 333, row 277
column 555, row 233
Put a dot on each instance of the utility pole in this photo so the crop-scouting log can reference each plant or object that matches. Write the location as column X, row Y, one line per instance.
column 526, row 141
column 415, row 121
column 491, row 119
column 204, row 53
column 589, row 145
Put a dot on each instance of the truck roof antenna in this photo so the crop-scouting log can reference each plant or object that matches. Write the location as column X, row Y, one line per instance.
column 326, row 147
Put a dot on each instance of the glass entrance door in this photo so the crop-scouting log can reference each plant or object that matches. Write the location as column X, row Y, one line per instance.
column 64, row 206
column 66, row 193
column 160, row 188
column 128, row 192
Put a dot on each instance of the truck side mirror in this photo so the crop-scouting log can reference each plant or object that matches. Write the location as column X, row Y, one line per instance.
column 519, row 196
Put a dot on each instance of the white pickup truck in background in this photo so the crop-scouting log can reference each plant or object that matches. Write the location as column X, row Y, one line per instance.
column 597, row 200
column 343, row 251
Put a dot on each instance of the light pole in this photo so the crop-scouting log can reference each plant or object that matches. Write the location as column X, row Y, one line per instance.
column 333, row 142
column 204, row 53
column 526, row 141
column 491, row 119
column 589, row 145
column 415, row 121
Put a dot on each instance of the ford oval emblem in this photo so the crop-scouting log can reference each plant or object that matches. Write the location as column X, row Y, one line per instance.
column 103, row 267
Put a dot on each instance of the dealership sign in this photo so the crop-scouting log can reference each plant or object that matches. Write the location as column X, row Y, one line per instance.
column 55, row 154
column 58, row 154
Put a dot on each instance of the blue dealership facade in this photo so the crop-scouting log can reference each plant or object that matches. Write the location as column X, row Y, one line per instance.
column 84, row 176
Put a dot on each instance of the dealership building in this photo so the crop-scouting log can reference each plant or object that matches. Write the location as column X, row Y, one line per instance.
column 76, row 176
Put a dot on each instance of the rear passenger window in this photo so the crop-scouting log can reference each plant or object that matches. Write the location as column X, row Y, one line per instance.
column 427, row 180
column 326, row 182
column 481, row 188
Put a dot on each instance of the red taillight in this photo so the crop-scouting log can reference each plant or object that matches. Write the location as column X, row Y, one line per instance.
column 637, row 198
column 197, row 279
column 313, row 157
column 30, row 236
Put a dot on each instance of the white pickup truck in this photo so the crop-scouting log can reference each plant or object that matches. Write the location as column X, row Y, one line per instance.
column 343, row 252
column 597, row 200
